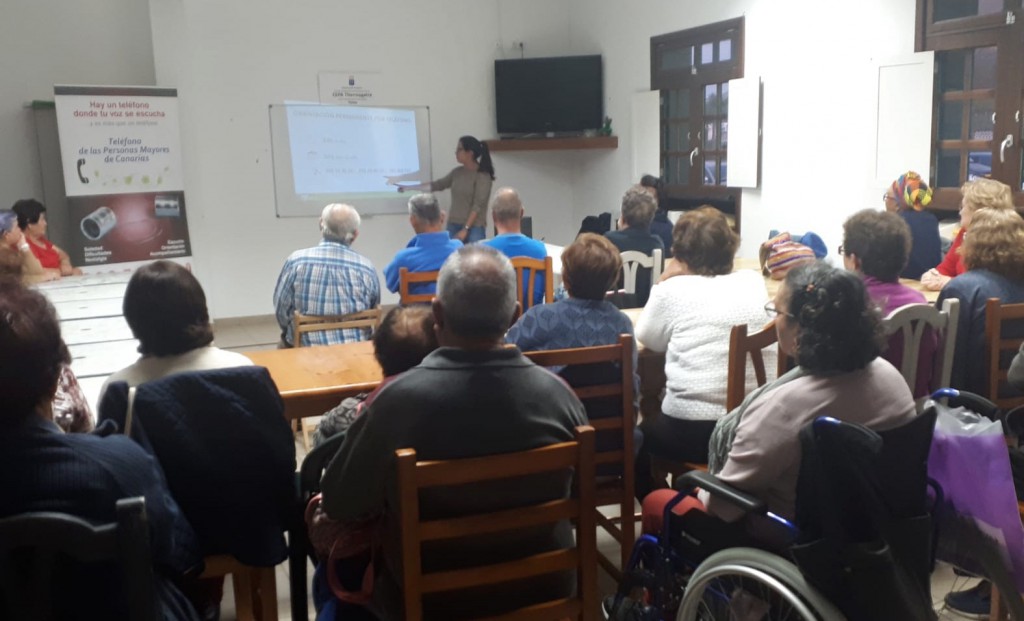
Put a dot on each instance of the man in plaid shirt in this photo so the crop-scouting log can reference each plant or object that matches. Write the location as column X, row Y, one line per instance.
column 327, row 279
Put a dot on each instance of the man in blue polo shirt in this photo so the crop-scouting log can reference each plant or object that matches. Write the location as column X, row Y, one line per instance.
column 427, row 251
column 507, row 210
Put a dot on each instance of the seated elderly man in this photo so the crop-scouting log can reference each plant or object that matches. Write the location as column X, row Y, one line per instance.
column 327, row 279
column 43, row 469
column 638, row 207
column 470, row 398
column 507, row 209
column 427, row 251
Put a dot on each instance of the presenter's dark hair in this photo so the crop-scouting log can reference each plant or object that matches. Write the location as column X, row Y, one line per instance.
column 480, row 152
column 650, row 181
column 29, row 211
column 33, row 351
column 840, row 329
column 165, row 307
column 404, row 338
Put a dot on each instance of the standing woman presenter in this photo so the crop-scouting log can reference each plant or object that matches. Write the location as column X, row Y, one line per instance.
column 470, row 184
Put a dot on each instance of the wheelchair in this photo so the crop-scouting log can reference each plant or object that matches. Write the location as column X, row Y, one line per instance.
column 698, row 567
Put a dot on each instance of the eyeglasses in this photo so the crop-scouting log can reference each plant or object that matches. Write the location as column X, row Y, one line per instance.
column 772, row 312
column 886, row 197
column 840, row 249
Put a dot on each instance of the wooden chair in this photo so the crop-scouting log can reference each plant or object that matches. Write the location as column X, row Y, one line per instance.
column 527, row 270
column 913, row 321
column 633, row 260
column 617, row 489
column 255, row 588
column 742, row 346
column 407, row 278
column 304, row 324
column 413, row 477
column 1004, row 333
column 28, row 589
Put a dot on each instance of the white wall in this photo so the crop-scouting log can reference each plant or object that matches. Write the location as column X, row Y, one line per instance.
column 46, row 42
column 230, row 59
column 815, row 61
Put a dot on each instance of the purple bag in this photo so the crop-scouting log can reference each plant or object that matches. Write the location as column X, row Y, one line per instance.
column 978, row 520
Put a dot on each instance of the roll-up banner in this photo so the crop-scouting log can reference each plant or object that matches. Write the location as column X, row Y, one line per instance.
column 121, row 153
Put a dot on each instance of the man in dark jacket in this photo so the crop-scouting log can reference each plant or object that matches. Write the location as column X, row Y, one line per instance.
column 638, row 207
column 470, row 398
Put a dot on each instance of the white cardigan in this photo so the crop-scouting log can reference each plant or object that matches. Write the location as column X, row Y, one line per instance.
column 690, row 318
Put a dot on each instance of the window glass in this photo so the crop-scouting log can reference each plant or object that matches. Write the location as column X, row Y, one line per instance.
column 983, row 70
column 956, row 9
column 679, row 58
column 711, row 99
column 725, row 50
column 707, row 53
column 951, row 69
column 951, row 120
column 981, row 119
column 710, row 136
column 948, row 168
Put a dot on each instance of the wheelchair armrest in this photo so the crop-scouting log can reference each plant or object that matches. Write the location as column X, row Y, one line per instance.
column 711, row 484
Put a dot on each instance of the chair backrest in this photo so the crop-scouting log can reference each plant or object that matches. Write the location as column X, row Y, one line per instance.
column 304, row 324
column 526, row 279
column 414, row 476
column 34, row 546
column 917, row 323
column 742, row 346
column 602, row 378
column 633, row 260
column 621, row 354
column 858, row 485
column 1004, row 333
column 407, row 278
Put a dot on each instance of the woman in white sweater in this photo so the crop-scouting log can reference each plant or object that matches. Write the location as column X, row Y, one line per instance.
column 689, row 317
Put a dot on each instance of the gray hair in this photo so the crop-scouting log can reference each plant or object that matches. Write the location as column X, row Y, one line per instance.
column 425, row 208
column 506, row 205
column 638, row 207
column 477, row 292
column 339, row 222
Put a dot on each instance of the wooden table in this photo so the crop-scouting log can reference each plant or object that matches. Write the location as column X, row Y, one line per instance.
column 312, row 380
column 89, row 307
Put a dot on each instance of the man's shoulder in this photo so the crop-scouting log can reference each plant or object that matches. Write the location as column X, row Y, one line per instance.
column 327, row 252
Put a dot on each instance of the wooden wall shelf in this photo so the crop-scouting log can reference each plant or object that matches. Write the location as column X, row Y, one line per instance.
column 553, row 144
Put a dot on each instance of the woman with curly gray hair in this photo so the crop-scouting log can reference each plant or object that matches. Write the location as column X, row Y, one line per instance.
column 825, row 321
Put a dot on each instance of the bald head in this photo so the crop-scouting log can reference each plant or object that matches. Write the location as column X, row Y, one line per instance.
column 476, row 295
column 340, row 222
column 507, row 209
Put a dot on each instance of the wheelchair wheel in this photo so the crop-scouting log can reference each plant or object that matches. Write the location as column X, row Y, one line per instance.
column 745, row 583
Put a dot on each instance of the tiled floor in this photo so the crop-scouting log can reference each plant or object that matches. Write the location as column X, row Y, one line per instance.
column 263, row 333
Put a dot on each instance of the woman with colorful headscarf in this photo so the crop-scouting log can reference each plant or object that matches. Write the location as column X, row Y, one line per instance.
column 908, row 196
column 977, row 194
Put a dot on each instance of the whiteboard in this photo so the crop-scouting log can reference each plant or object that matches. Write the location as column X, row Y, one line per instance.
column 359, row 155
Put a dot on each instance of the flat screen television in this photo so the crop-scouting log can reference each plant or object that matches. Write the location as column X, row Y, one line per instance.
column 563, row 94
